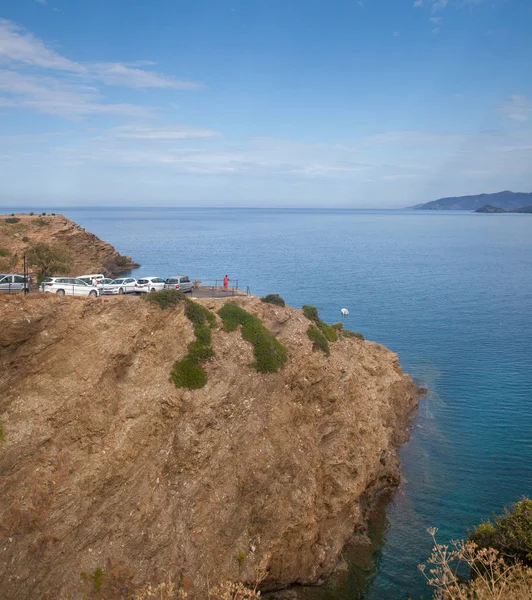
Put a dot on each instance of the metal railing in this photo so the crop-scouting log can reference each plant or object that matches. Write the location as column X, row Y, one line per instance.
column 214, row 288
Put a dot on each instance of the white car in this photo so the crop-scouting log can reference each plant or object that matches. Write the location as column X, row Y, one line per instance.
column 127, row 285
column 90, row 278
column 150, row 284
column 70, row 286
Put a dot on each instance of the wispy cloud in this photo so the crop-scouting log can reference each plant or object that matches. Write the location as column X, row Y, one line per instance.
column 43, row 2
column 122, row 75
column 517, row 108
column 39, row 77
column 20, row 46
column 53, row 96
column 149, row 132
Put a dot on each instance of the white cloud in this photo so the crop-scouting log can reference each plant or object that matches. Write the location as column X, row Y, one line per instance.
column 172, row 133
column 517, row 108
column 43, row 2
column 418, row 3
column 38, row 77
column 20, row 46
column 435, row 20
column 122, row 75
column 54, row 96
column 439, row 5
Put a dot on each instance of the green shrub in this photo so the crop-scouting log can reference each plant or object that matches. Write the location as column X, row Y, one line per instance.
column 198, row 314
column 270, row 354
column 25, row 239
column 511, row 534
column 43, row 214
column 12, row 220
column 338, row 326
column 351, row 334
column 311, row 312
column 31, row 214
column 40, row 222
column 319, row 341
column 2, row 438
column 187, row 373
column 273, row 299
column 4, row 252
column 12, row 214
column 165, row 298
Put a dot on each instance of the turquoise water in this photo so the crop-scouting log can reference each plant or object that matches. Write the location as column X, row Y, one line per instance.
column 450, row 292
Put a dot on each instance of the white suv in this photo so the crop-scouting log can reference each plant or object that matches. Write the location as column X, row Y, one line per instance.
column 70, row 286
column 150, row 284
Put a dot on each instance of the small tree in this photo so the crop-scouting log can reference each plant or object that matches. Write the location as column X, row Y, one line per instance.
column 48, row 259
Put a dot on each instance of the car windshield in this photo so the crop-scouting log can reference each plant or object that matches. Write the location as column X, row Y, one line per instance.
column 81, row 282
column 117, row 281
column 172, row 280
column 143, row 281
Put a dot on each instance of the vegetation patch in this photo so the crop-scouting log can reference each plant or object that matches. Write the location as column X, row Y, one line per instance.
column 319, row 341
column 96, row 577
column 273, row 299
column 40, row 222
column 311, row 312
column 4, row 252
column 2, row 438
column 12, row 220
column 165, row 298
column 351, row 334
column 188, row 373
column 49, row 260
column 509, row 534
column 270, row 354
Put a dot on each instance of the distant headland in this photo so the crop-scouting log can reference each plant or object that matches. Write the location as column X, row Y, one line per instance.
column 507, row 201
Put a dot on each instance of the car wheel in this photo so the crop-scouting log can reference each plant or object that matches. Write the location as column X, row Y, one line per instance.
column 93, row 293
column 61, row 292
column 121, row 291
column 152, row 290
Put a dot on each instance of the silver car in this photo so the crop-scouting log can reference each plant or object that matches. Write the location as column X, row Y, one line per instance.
column 11, row 283
column 179, row 282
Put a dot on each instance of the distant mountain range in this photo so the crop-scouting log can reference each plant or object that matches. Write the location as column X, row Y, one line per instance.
column 487, row 208
column 506, row 200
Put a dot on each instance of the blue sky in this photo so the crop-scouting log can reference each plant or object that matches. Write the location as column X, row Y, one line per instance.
column 370, row 103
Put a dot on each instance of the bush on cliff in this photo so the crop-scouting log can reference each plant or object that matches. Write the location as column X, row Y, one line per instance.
column 165, row 298
column 351, row 334
column 49, row 259
column 497, row 555
column 273, row 299
column 189, row 373
column 12, row 220
column 510, row 534
column 270, row 354
column 311, row 312
column 319, row 341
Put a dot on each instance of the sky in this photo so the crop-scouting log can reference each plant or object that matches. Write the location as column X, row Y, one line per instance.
column 281, row 103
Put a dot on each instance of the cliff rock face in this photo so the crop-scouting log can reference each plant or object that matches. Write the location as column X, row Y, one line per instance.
column 89, row 253
column 106, row 464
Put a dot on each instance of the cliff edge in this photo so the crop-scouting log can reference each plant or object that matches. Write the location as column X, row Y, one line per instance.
column 111, row 471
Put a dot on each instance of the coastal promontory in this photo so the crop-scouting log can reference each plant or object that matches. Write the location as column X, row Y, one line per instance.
column 82, row 251
column 113, row 478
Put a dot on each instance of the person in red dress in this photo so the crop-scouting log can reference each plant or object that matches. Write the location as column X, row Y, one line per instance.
column 226, row 282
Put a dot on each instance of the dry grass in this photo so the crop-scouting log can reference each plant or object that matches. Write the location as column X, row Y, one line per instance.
column 491, row 577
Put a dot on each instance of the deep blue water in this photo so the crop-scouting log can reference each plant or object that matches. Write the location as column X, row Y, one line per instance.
column 450, row 292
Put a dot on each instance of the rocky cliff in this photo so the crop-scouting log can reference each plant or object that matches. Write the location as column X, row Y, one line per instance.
column 88, row 253
column 110, row 471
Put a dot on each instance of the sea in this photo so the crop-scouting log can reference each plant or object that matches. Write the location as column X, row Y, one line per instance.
column 449, row 291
